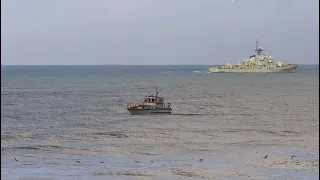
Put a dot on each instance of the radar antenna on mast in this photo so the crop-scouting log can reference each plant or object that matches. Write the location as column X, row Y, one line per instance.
column 258, row 49
column 257, row 45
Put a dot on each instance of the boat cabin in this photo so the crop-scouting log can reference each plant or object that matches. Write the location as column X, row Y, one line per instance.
column 154, row 99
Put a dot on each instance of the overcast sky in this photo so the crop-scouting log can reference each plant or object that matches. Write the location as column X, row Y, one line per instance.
column 157, row 31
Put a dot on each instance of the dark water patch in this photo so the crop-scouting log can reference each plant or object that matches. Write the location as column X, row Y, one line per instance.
column 165, row 131
column 104, row 174
column 147, row 154
column 132, row 174
column 28, row 164
column 275, row 142
column 41, row 147
column 290, row 132
column 7, row 137
column 273, row 133
column 218, row 96
column 183, row 173
column 122, row 174
column 112, row 134
column 9, row 116
column 217, row 105
column 249, row 130
column 201, row 131
column 203, row 150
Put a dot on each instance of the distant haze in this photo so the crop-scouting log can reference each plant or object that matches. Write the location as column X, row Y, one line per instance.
column 83, row 32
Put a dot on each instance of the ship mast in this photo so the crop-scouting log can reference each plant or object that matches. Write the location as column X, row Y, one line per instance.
column 258, row 49
column 257, row 45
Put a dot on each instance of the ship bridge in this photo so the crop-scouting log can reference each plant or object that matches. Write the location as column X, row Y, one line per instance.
column 154, row 99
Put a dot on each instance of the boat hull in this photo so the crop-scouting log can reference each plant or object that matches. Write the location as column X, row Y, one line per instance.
column 288, row 69
column 149, row 111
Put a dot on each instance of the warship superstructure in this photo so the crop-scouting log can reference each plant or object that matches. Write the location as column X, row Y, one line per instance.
column 258, row 62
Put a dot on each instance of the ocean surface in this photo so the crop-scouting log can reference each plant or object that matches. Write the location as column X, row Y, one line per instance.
column 71, row 122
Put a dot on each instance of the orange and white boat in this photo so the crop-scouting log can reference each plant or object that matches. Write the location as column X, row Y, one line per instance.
column 152, row 104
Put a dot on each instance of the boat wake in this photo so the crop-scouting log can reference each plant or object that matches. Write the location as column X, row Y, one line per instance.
column 209, row 114
column 191, row 114
column 199, row 114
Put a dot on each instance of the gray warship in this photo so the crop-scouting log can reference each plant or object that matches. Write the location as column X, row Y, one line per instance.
column 258, row 62
column 152, row 104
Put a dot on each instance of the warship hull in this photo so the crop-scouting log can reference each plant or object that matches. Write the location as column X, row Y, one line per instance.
column 149, row 111
column 288, row 69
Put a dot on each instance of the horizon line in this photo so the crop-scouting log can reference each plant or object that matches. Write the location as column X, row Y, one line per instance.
column 120, row 64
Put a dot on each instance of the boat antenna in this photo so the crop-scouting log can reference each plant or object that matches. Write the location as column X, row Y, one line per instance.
column 156, row 90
